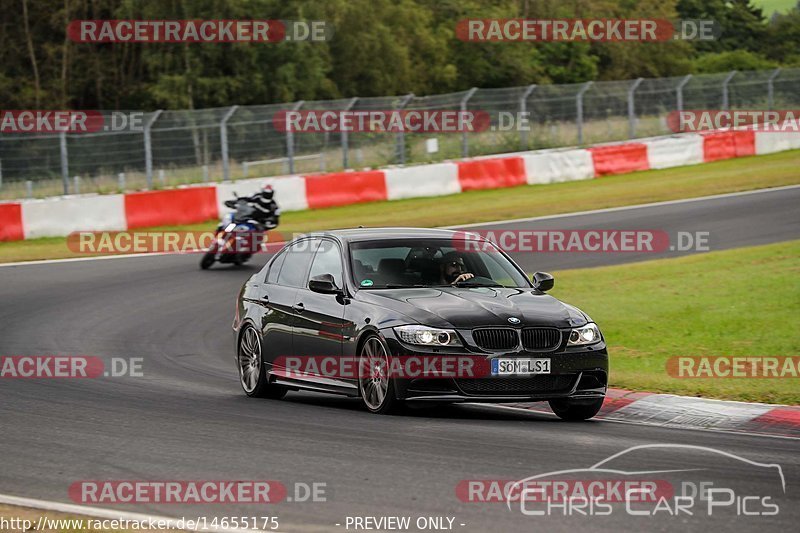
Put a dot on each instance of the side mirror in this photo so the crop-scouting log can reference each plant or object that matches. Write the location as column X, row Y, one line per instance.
column 543, row 281
column 323, row 284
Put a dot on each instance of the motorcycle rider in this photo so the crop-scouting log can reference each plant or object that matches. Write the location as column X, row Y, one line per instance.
column 267, row 212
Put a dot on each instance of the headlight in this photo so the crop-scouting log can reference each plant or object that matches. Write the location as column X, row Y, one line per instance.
column 425, row 336
column 588, row 334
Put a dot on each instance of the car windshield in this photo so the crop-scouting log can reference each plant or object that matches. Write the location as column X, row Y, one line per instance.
column 405, row 263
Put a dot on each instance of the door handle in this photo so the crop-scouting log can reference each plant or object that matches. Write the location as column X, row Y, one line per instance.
column 265, row 298
column 299, row 307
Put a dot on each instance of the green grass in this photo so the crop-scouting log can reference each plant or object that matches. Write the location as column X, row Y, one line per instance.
column 526, row 201
column 771, row 6
column 736, row 302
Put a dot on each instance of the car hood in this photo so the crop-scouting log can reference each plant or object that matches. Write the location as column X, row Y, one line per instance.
column 463, row 307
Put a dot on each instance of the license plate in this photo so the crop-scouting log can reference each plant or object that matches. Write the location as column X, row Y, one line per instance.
column 511, row 367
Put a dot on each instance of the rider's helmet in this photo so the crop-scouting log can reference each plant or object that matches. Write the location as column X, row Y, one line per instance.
column 267, row 192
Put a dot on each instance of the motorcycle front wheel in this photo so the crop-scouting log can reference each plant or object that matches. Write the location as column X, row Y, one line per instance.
column 207, row 260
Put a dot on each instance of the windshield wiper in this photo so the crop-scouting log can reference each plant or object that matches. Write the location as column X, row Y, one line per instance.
column 398, row 286
column 467, row 284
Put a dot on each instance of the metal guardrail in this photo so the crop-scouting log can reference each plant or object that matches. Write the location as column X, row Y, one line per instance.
column 187, row 146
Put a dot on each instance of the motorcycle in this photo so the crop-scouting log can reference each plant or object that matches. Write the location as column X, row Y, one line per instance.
column 238, row 236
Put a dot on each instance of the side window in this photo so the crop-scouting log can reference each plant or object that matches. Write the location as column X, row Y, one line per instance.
column 275, row 268
column 328, row 260
column 295, row 266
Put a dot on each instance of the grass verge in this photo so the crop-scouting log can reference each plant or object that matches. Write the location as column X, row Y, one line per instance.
column 735, row 302
column 526, row 201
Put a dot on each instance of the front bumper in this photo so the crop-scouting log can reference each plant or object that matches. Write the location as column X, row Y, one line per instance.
column 575, row 372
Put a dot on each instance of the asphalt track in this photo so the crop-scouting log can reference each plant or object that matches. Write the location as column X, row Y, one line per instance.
column 187, row 419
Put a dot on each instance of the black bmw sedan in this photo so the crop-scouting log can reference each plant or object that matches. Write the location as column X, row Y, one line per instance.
column 395, row 315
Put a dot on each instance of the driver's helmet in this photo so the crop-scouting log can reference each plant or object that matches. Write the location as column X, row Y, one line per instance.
column 267, row 192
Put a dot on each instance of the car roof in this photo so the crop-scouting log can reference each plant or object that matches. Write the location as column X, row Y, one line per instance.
column 371, row 234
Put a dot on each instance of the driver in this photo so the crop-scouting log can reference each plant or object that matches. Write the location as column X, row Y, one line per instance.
column 452, row 269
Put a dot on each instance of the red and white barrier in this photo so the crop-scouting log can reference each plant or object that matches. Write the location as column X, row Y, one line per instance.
column 768, row 143
column 172, row 206
column 425, row 180
column 491, row 173
column 728, row 144
column 344, row 188
column 619, row 158
column 675, row 151
column 62, row 215
column 290, row 190
column 11, row 226
column 688, row 412
column 558, row 165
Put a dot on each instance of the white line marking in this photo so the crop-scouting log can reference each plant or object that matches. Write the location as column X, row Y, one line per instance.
column 458, row 226
column 76, row 259
column 624, row 207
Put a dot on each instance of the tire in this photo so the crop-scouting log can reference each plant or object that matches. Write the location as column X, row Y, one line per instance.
column 207, row 260
column 377, row 392
column 573, row 410
column 253, row 377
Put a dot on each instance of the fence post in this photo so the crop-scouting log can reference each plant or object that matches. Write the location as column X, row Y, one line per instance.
column 121, row 181
column 464, row 142
column 632, row 108
column 725, row 82
column 770, row 88
column 579, row 109
column 290, row 139
column 161, row 177
column 679, row 92
column 76, row 187
column 29, row 188
column 223, row 141
column 401, row 136
column 523, row 108
column 148, row 147
column 62, row 138
column 343, row 133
